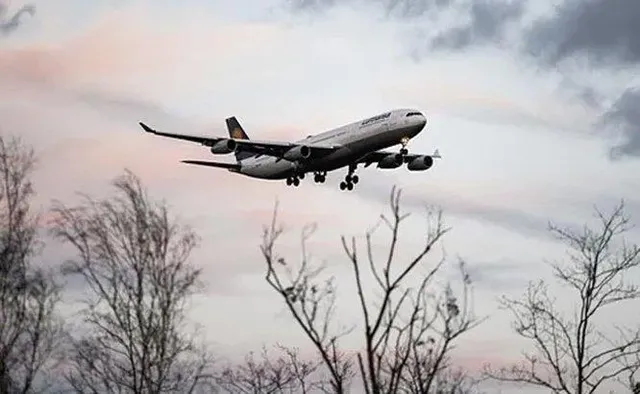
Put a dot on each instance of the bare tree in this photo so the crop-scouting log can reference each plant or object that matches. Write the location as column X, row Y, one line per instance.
column 572, row 353
column 287, row 373
column 408, row 333
column 134, row 260
column 30, row 332
column 311, row 301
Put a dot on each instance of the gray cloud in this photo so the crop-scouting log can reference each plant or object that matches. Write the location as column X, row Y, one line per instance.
column 509, row 218
column 487, row 21
column 314, row 5
column 623, row 117
column 394, row 8
column 587, row 95
column 603, row 31
column 9, row 24
column 414, row 8
column 126, row 107
column 499, row 276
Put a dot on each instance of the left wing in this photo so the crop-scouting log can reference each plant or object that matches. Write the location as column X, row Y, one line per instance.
column 270, row 148
column 379, row 156
column 228, row 166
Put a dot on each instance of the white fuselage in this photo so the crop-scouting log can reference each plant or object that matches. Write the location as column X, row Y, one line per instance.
column 356, row 140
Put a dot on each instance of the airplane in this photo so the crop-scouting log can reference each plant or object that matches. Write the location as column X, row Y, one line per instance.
column 346, row 146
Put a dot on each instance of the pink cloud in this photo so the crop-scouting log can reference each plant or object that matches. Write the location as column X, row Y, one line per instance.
column 114, row 46
column 128, row 44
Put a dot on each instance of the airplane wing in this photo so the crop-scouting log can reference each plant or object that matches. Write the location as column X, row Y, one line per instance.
column 270, row 148
column 228, row 166
column 377, row 156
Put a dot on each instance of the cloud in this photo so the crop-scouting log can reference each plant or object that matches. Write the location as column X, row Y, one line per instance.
column 623, row 117
column 569, row 41
column 395, row 8
column 486, row 24
column 500, row 276
column 498, row 212
column 9, row 24
column 110, row 48
column 603, row 31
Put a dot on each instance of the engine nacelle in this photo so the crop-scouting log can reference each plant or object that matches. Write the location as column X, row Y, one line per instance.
column 223, row 146
column 393, row 160
column 420, row 163
column 298, row 153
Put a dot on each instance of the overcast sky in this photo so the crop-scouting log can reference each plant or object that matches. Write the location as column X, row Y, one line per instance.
column 534, row 108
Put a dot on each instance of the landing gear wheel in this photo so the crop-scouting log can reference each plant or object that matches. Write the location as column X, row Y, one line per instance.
column 319, row 177
column 350, row 179
column 296, row 182
column 404, row 151
column 289, row 181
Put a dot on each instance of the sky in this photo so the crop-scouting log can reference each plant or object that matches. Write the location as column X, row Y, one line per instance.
column 534, row 106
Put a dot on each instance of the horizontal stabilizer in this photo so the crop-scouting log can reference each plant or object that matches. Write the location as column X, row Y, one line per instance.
column 228, row 166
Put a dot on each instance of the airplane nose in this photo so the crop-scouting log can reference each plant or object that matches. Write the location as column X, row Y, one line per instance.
column 423, row 121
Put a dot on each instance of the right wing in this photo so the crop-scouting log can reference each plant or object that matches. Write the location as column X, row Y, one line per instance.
column 270, row 148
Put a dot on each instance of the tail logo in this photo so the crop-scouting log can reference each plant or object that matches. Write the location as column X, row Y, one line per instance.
column 237, row 133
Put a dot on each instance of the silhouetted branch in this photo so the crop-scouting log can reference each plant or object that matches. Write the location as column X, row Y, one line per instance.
column 285, row 373
column 30, row 331
column 572, row 354
column 310, row 300
column 408, row 335
column 407, row 346
column 134, row 262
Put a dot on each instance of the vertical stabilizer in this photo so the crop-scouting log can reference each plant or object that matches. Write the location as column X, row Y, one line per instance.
column 237, row 133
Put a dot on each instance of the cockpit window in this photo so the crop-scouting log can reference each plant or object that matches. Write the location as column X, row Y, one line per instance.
column 413, row 114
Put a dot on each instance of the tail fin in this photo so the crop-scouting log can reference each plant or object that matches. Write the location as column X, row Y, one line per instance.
column 237, row 132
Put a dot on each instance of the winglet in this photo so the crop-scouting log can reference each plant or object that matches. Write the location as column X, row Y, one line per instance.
column 436, row 154
column 146, row 128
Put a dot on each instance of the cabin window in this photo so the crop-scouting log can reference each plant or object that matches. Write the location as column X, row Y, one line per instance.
column 413, row 114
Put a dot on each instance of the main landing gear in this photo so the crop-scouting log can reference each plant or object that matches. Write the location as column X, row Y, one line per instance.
column 350, row 179
column 295, row 179
column 319, row 176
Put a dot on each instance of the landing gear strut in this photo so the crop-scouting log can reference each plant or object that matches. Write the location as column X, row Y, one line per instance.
column 350, row 179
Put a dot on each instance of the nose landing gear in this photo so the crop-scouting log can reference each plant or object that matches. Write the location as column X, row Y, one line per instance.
column 404, row 141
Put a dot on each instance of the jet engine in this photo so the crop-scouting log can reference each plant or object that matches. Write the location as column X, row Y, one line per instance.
column 223, row 146
column 420, row 163
column 298, row 153
column 393, row 160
